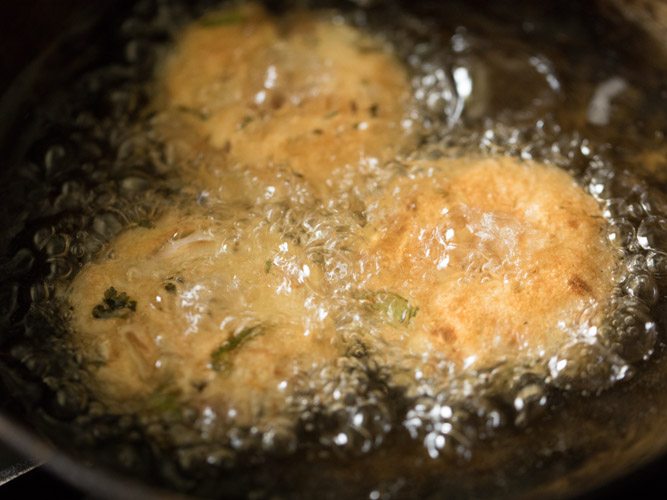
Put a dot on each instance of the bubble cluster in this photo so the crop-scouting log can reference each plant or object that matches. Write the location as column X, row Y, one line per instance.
column 345, row 408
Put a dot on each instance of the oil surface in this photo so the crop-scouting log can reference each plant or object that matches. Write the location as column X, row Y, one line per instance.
column 112, row 163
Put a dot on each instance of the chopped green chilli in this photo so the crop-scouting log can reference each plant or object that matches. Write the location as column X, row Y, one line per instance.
column 392, row 306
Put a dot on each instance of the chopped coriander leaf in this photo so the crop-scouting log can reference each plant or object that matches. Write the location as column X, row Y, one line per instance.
column 268, row 265
column 222, row 357
column 114, row 305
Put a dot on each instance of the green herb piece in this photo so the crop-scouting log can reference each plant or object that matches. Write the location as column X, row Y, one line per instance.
column 245, row 121
column 114, row 305
column 268, row 265
column 166, row 399
column 330, row 114
column 222, row 358
column 222, row 19
column 395, row 308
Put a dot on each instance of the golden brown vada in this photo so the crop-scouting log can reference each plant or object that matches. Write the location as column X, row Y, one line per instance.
column 491, row 259
column 220, row 312
column 305, row 91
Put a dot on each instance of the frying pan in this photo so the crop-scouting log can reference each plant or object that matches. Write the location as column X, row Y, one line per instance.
column 30, row 33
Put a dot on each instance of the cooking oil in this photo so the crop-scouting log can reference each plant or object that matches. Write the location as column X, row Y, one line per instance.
column 527, row 83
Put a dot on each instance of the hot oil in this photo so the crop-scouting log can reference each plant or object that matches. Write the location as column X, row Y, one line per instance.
column 484, row 83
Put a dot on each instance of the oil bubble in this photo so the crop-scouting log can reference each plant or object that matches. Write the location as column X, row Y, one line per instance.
column 643, row 287
column 587, row 368
column 652, row 233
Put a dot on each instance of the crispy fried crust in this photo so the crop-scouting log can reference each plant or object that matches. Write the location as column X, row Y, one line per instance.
column 303, row 91
column 504, row 259
column 197, row 284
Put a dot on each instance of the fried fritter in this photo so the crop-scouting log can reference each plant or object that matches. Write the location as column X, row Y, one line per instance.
column 200, row 310
column 495, row 259
column 304, row 91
